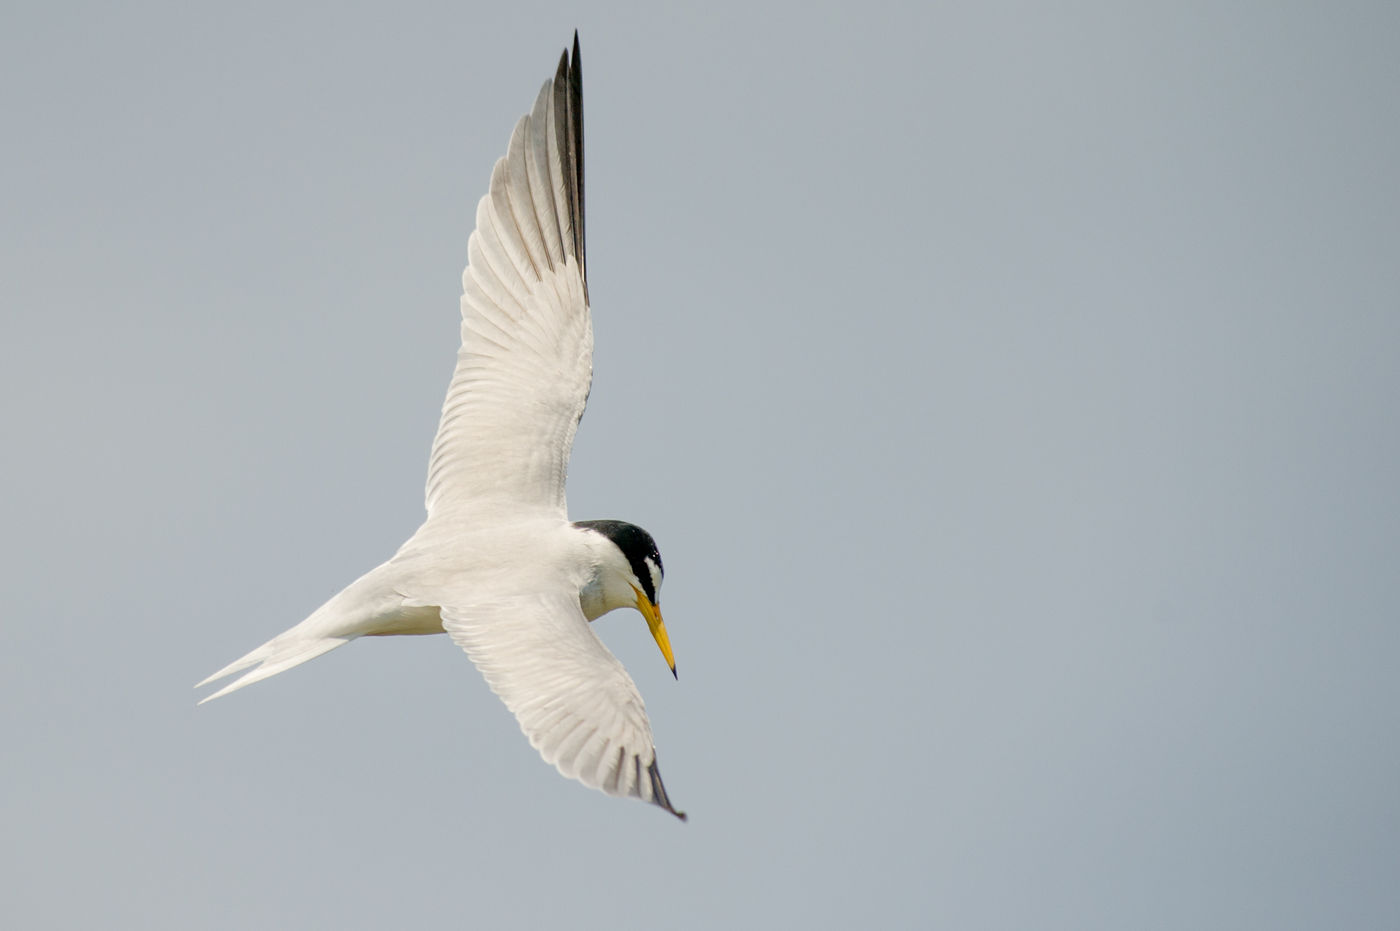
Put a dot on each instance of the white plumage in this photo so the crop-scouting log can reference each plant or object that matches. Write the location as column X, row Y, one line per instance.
column 497, row 564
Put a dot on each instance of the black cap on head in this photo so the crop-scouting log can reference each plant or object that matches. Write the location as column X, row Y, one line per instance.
column 636, row 544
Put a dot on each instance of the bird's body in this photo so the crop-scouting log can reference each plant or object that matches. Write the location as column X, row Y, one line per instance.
column 497, row 564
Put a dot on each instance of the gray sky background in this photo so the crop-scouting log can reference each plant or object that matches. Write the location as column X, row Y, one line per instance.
column 1012, row 392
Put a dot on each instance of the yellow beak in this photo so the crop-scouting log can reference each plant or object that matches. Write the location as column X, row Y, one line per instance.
column 658, row 627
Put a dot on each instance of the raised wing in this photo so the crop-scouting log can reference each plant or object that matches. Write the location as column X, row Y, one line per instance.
column 572, row 697
column 526, row 361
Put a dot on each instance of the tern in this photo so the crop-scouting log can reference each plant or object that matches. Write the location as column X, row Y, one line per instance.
column 497, row 564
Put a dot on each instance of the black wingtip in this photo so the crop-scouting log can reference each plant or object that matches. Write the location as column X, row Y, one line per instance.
column 568, row 117
column 674, row 674
column 658, row 791
column 576, row 105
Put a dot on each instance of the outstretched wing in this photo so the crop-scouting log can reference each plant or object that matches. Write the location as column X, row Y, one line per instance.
column 572, row 697
column 526, row 361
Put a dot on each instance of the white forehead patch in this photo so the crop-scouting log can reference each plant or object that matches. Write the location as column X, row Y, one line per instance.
column 655, row 571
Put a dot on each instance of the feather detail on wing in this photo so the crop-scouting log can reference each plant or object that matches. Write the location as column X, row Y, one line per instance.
column 573, row 698
column 526, row 361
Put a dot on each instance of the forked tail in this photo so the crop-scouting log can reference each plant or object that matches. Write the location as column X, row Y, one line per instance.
column 280, row 653
column 368, row 606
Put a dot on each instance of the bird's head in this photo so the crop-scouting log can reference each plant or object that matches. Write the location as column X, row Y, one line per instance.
column 628, row 575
